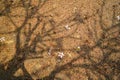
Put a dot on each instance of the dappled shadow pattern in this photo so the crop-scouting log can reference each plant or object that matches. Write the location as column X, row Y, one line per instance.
column 32, row 40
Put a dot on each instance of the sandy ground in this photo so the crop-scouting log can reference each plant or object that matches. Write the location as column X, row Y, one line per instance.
column 76, row 26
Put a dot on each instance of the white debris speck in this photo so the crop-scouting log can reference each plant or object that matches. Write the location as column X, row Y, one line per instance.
column 61, row 55
column 78, row 47
column 118, row 17
column 2, row 39
column 67, row 27
column 75, row 9
column 49, row 51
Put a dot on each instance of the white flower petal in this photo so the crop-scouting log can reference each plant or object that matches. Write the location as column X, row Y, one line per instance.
column 67, row 27
column 2, row 39
column 61, row 54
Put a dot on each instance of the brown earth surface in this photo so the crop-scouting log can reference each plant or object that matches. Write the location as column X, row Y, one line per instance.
column 87, row 32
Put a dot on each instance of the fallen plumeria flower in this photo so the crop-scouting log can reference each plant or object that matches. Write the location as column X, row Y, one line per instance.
column 61, row 55
column 67, row 27
column 118, row 17
column 2, row 39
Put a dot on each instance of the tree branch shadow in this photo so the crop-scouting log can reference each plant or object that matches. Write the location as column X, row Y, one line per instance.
column 32, row 38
